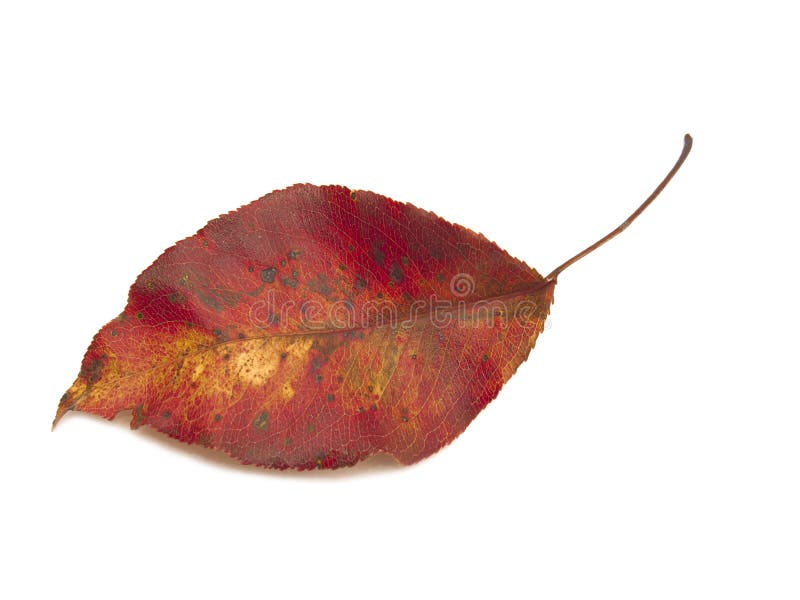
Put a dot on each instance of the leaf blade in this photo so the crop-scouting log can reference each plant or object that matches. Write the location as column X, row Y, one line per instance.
column 232, row 339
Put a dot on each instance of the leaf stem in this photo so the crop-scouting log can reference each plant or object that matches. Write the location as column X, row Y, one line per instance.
column 687, row 146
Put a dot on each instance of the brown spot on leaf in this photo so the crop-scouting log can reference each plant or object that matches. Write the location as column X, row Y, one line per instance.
column 262, row 420
column 396, row 273
column 377, row 254
column 268, row 274
column 209, row 300
column 138, row 416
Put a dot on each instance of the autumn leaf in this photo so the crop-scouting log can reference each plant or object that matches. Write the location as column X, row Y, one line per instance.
column 318, row 326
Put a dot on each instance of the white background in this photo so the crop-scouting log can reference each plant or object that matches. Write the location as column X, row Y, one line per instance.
column 649, row 448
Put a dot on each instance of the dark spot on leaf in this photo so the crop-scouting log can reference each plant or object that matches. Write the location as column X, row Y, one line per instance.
column 295, row 273
column 218, row 418
column 250, row 268
column 287, row 441
column 485, row 357
column 283, row 262
column 369, row 388
column 289, row 282
column 205, row 242
column 209, row 301
column 92, row 370
column 283, row 355
column 319, row 377
column 176, row 298
column 321, row 285
column 226, row 356
column 377, row 254
column 330, row 397
column 353, row 195
column 217, row 332
column 229, row 297
column 373, row 407
column 413, row 357
column 405, row 261
column 342, row 268
column 268, row 274
column 293, row 254
column 139, row 315
column 240, row 336
column 396, row 273
column 339, row 378
column 360, row 283
column 138, row 416
column 310, row 428
column 262, row 420
column 113, row 333
column 166, row 414
column 380, row 294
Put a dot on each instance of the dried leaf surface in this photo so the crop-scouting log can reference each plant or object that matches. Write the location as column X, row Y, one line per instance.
column 315, row 327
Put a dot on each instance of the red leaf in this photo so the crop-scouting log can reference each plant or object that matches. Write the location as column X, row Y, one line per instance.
column 317, row 326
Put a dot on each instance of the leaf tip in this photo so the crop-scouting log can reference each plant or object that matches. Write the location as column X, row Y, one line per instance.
column 69, row 400
column 64, row 406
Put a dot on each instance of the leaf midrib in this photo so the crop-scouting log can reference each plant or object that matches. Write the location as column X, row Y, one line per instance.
column 538, row 287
